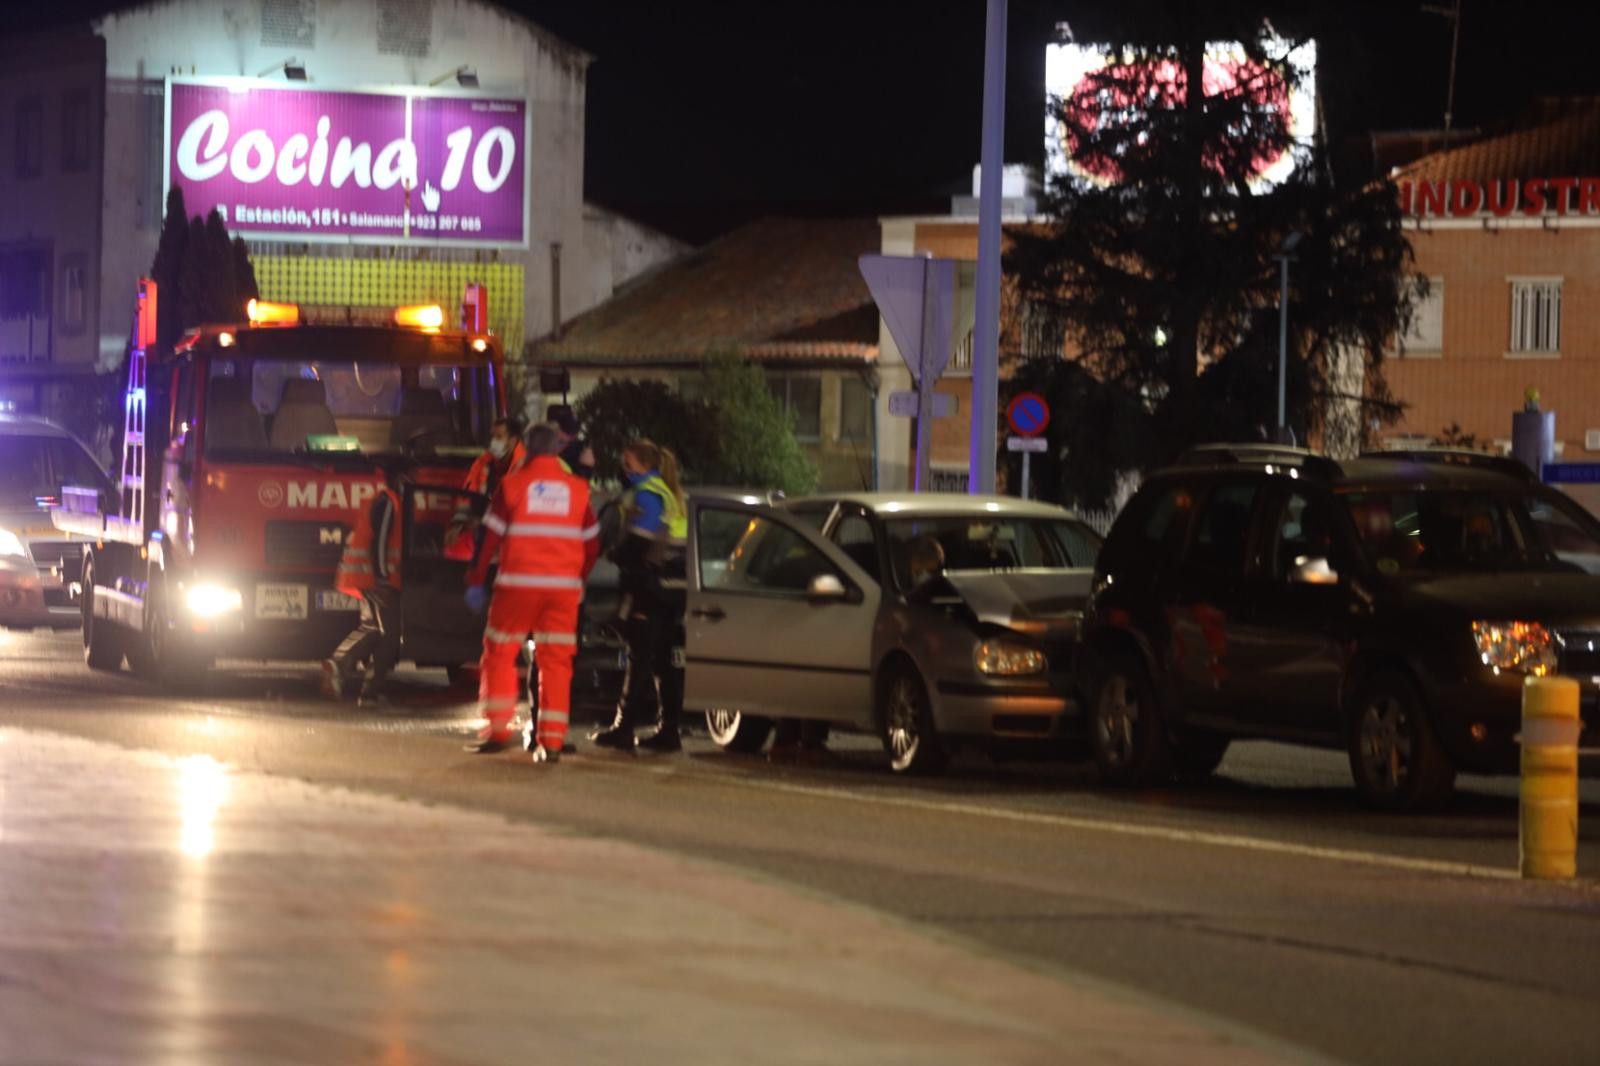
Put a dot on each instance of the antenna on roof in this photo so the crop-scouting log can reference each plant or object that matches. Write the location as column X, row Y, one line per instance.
column 1453, row 13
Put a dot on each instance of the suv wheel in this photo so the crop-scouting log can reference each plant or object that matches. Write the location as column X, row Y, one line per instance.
column 1125, row 725
column 1395, row 757
column 102, row 642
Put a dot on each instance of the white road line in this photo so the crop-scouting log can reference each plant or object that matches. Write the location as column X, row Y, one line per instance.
column 1133, row 829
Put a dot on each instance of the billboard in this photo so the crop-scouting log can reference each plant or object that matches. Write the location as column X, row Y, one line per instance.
column 1068, row 71
column 373, row 166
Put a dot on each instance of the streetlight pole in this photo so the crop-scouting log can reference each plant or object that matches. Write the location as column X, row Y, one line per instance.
column 986, row 312
column 1284, row 257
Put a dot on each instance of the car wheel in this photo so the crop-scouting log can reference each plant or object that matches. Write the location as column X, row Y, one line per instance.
column 1395, row 758
column 909, row 735
column 1199, row 753
column 1126, row 729
column 738, row 732
column 102, row 641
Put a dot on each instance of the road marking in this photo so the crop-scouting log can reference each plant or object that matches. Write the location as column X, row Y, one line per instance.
column 1134, row 829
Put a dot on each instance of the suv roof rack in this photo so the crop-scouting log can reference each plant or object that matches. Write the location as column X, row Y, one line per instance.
column 1254, row 452
column 1500, row 464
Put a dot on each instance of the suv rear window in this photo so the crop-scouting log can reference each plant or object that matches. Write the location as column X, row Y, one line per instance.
column 1455, row 531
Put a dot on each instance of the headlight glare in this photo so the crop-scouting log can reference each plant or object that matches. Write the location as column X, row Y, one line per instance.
column 1526, row 647
column 1008, row 658
column 11, row 544
column 209, row 601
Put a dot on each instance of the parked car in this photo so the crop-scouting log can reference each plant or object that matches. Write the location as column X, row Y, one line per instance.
column 1390, row 606
column 809, row 610
column 39, row 565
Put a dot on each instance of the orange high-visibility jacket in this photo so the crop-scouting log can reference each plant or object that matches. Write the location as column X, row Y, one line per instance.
column 461, row 538
column 359, row 569
column 543, row 528
column 478, row 477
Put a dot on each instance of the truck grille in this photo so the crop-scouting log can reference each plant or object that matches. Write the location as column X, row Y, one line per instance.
column 305, row 545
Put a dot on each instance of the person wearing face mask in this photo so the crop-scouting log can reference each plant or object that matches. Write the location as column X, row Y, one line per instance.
column 504, row 454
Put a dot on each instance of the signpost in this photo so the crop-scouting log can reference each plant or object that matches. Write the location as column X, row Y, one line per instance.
column 916, row 296
column 1029, row 415
column 904, row 404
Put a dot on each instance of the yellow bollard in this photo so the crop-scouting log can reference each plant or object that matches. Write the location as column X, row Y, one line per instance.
column 1549, row 807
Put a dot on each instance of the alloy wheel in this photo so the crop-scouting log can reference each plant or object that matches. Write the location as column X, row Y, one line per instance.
column 1385, row 743
column 1117, row 720
column 900, row 722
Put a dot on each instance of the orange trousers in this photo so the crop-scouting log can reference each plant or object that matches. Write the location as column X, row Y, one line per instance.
column 550, row 617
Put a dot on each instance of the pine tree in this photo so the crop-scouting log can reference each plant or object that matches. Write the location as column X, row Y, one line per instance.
column 165, row 268
column 1161, row 274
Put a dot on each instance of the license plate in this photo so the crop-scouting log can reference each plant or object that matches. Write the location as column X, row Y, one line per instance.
column 281, row 602
column 334, row 600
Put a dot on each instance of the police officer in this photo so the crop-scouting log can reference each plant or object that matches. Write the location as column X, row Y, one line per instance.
column 546, row 538
column 650, row 558
column 369, row 568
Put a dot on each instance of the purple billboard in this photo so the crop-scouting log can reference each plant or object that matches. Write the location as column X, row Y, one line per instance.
column 300, row 164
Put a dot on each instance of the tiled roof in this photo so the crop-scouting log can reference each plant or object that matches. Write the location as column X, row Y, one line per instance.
column 1563, row 141
column 777, row 289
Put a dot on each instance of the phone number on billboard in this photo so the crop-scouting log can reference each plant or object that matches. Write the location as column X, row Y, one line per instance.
column 327, row 216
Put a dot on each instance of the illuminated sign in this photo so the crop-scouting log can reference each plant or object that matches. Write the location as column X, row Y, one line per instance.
column 377, row 166
column 1500, row 198
column 1070, row 77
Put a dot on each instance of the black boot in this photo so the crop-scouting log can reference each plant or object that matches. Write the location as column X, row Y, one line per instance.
column 618, row 738
column 663, row 741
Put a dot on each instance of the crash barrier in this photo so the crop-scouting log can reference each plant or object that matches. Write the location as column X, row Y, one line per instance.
column 1548, row 831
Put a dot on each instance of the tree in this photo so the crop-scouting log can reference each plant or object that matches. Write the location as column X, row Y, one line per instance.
column 1161, row 272
column 736, row 434
column 201, row 273
column 616, row 412
column 755, row 442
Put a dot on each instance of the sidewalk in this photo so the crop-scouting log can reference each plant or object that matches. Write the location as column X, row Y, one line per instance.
column 156, row 909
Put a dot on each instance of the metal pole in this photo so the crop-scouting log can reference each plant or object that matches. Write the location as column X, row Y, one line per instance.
column 1283, row 341
column 925, row 381
column 1025, row 457
column 1450, row 93
column 986, row 325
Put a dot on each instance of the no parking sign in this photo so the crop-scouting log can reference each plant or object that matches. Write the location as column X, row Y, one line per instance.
column 1028, row 414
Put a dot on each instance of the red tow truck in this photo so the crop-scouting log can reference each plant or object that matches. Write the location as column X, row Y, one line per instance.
column 249, row 451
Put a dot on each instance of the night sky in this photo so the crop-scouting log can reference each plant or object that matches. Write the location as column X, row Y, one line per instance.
column 702, row 115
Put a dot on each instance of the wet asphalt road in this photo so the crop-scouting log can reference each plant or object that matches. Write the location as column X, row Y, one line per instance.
column 1266, row 897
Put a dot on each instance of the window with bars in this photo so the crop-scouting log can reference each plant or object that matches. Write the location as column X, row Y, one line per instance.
column 1536, row 315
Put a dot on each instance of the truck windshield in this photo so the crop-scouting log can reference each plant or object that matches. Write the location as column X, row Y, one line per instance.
column 267, row 408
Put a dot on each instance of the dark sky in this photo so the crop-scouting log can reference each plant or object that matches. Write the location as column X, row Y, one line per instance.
column 704, row 114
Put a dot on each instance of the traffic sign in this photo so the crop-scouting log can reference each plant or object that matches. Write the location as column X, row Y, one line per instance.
column 904, row 404
column 1027, row 444
column 1028, row 414
column 1570, row 473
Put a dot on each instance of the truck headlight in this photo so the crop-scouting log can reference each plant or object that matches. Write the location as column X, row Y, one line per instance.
column 1008, row 658
column 1526, row 647
column 11, row 544
column 208, row 601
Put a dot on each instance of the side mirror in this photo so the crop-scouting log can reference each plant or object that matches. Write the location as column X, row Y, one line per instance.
column 1313, row 570
column 825, row 588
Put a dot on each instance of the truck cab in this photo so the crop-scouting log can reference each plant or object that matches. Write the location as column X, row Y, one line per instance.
column 264, row 441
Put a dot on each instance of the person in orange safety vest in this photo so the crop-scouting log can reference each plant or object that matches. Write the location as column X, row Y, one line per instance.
column 542, row 529
column 369, row 568
column 504, row 454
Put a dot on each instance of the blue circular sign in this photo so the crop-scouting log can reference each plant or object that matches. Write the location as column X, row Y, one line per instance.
column 1028, row 414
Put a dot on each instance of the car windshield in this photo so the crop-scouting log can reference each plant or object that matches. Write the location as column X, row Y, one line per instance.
column 985, row 542
column 266, row 408
column 32, row 467
column 1458, row 531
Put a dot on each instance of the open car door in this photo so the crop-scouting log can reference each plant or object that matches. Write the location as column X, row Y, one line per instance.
column 780, row 621
column 437, row 626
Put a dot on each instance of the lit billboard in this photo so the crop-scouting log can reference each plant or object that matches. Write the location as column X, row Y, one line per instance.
column 1069, row 71
column 372, row 166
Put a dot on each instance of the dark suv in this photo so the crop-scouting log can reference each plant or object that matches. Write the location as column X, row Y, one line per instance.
column 1390, row 606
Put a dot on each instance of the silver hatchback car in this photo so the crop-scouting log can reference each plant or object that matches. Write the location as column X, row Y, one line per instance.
column 817, row 609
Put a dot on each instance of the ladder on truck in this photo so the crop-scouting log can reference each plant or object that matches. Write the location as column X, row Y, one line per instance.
column 80, row 505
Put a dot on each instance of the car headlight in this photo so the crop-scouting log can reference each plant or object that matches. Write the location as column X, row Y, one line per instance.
column 1008, row 658
column 208, row 601
column 11, row 544
column 1527, row 647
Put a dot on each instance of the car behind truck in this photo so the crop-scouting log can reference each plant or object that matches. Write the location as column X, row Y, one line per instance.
column 249, row 451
